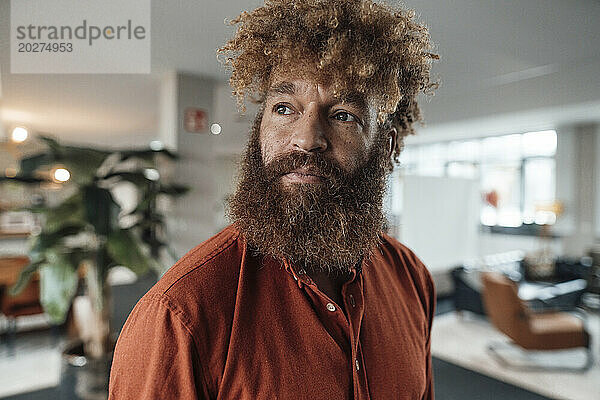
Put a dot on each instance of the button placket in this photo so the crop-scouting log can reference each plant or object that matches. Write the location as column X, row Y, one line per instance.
column 352, row 301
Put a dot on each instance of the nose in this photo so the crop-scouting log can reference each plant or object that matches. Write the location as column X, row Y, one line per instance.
column 309, row 135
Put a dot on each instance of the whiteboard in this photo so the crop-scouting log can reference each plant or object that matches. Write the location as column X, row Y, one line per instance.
column 440, row 219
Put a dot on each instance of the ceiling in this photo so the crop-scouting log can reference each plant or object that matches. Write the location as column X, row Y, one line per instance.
column 499, row 59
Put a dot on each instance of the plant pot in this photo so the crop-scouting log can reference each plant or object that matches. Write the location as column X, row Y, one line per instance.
column 81, row 377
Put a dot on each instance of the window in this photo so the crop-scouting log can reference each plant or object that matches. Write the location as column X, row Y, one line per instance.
column 516, row 173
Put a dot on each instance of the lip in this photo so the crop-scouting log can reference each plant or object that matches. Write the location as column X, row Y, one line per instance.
column 303, row 175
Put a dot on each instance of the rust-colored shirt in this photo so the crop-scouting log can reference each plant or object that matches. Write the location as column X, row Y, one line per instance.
column 224, row 323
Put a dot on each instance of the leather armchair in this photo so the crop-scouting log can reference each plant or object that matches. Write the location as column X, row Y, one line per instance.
column 529, row 330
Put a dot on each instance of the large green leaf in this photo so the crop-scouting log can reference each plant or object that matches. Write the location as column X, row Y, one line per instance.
column 101, row 210
column 69, row 212
column 56, row 149
column 26, row 179
column 64, row 151
column 46, row 240
column 147, row 154
column 82, row 162
column 136, row 177
column 25, row 276
column 58, row 285
column 125, row 249
column 32, row 163
column 36, row 250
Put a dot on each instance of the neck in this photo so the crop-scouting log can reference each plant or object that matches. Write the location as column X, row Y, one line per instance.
column 331, row 285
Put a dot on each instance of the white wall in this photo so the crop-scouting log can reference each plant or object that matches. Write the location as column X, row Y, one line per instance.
column 581, row 212
column 167, row 111
column 208, row 162
column 597, row 182
column 566, row 179
column 229, row 145
column 192, row 221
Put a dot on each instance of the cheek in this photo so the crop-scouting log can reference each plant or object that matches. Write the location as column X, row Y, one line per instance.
column 349, row 152
column 271, row 144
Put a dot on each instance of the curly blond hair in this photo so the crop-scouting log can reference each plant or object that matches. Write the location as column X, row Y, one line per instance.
column 356, row 45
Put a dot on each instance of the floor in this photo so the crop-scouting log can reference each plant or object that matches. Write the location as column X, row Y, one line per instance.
column 31, row 361
column 463, row 341
column 453, row 382
column 456, row 383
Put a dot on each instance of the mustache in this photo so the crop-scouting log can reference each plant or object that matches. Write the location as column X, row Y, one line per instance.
column 314, row 163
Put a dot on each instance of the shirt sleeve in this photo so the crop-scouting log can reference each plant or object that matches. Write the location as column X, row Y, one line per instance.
column 155, row 356
column 429, row 391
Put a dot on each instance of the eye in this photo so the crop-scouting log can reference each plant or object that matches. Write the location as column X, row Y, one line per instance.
column 282, row 109
column 345, row 116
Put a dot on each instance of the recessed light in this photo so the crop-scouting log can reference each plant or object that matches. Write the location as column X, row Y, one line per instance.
column 215, row 129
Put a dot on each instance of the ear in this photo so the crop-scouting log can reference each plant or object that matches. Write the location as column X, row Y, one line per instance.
column 392, row 142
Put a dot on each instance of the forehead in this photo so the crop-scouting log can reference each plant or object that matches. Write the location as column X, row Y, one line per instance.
column 302, row 87
column 305, row 80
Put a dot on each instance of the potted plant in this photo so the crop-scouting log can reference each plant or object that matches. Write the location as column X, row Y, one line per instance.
column 87, row 233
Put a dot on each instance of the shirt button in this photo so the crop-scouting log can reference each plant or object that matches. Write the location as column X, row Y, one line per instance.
column 330, row 307
column 352, row 301
column 357, row 366
column 302, row 272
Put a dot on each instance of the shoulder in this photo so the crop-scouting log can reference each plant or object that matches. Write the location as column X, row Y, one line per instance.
column 181, row 320
column 405, row 255
column 206, row 277
column 221, row 250
column 408, row 265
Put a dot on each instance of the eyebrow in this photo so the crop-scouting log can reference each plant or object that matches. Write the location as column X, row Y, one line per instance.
column 283, row 88
column 354, row 98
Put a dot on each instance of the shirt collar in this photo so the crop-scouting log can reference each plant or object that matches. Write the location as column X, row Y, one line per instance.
column 302, row 277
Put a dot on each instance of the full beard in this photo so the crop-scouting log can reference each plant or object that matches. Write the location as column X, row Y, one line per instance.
column 327, row 227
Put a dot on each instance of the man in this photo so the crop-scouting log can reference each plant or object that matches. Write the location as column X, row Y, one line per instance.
column 304, row 296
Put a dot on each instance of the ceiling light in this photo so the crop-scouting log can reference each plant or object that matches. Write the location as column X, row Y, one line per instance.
column 61, row 175
column 19, row 134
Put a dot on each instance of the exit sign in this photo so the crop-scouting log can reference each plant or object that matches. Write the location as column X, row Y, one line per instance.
column 195, row 120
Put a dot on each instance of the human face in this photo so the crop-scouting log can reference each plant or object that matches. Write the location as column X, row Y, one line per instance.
column 301, row 115
column 327, row 227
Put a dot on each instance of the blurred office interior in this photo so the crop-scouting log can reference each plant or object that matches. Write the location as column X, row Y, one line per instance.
column 498, row 193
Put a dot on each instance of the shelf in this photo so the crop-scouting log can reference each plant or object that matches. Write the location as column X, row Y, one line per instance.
column 14, row 235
